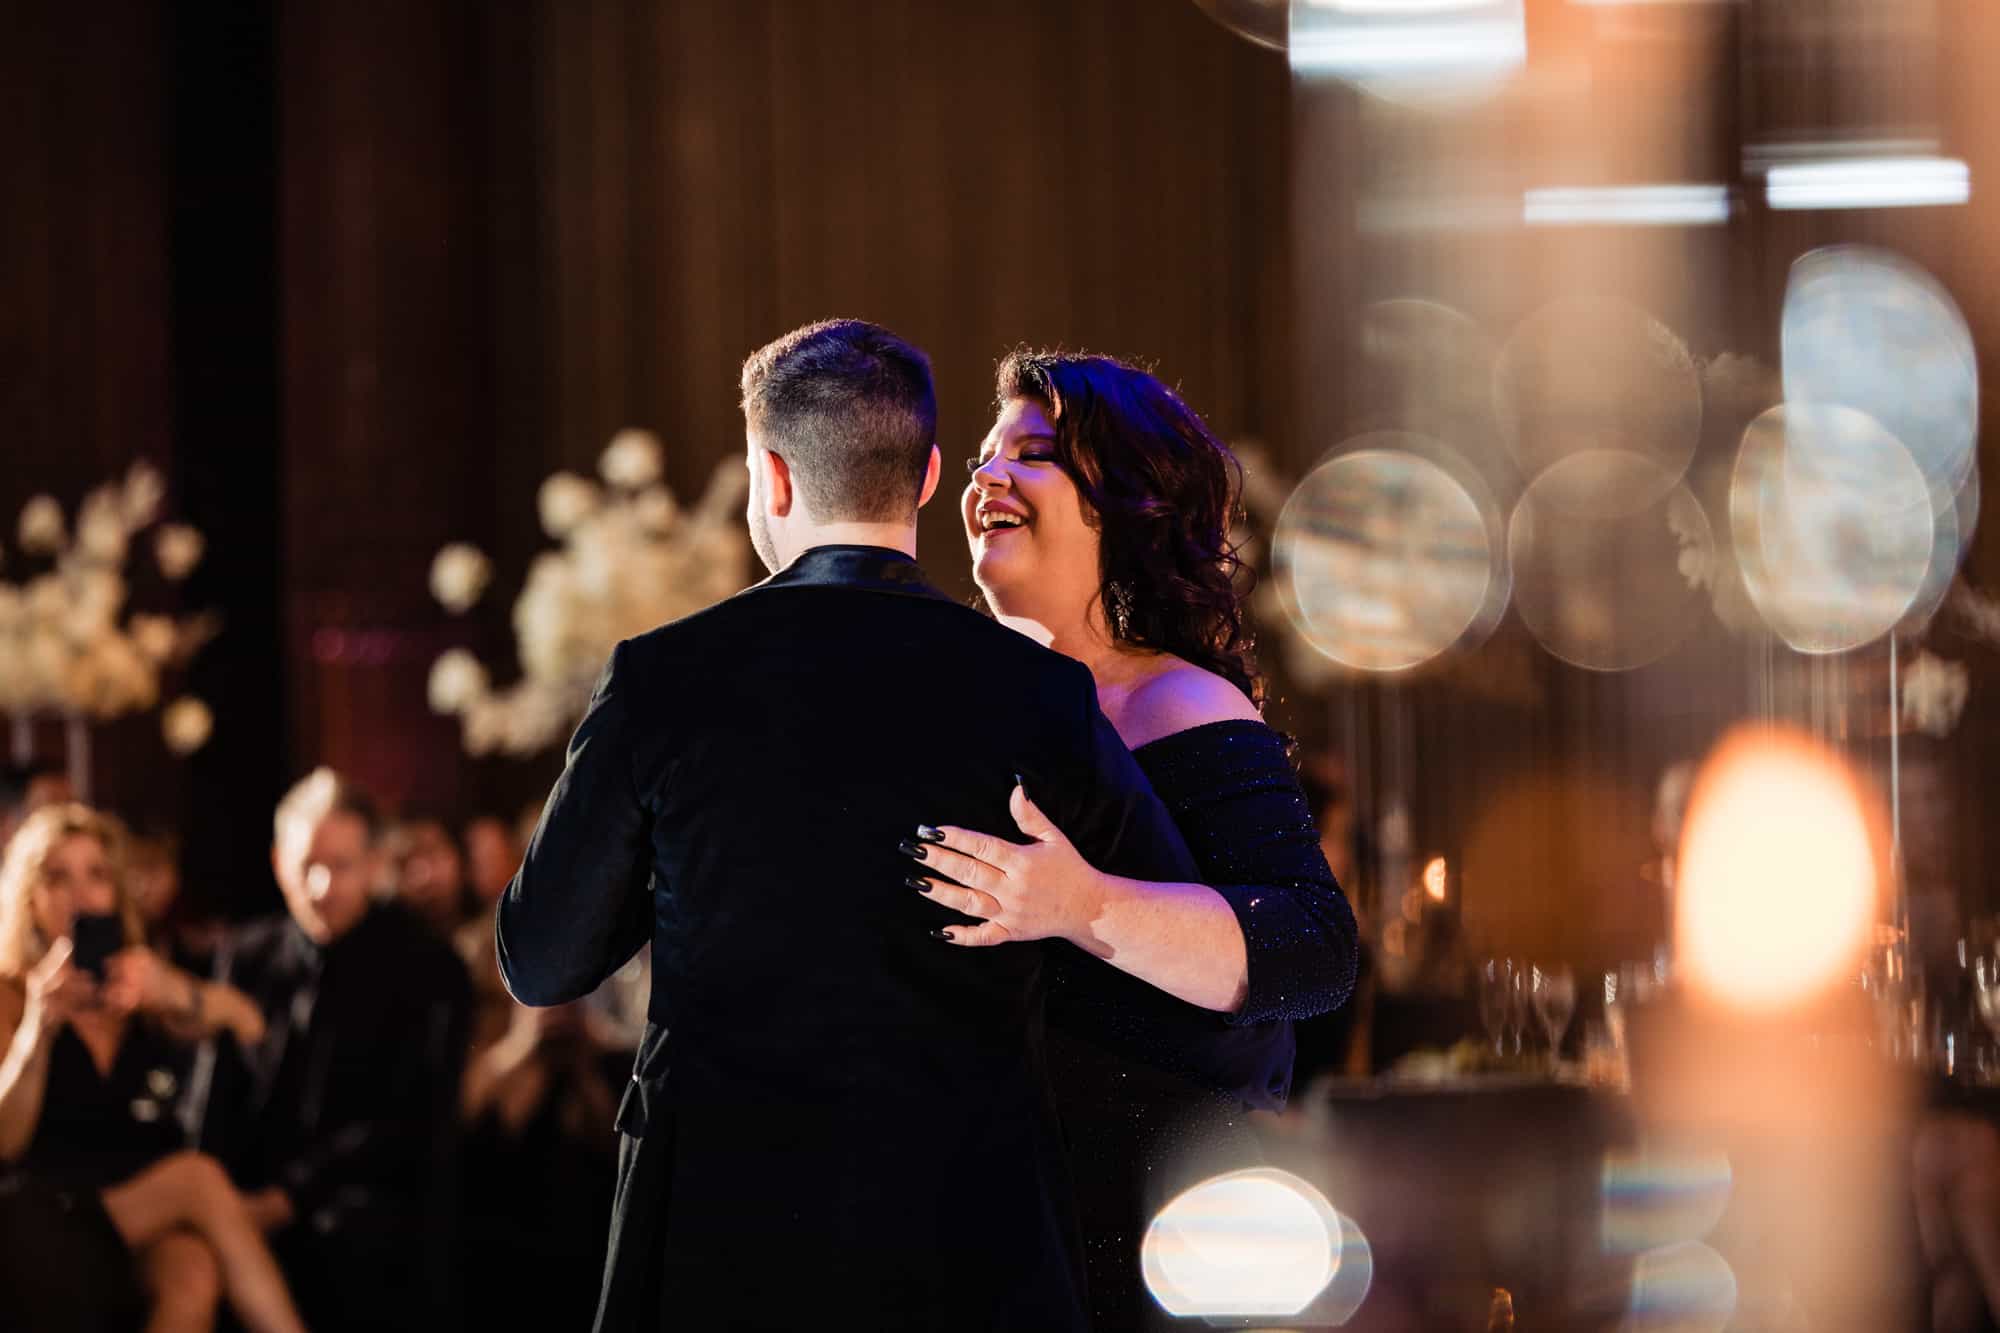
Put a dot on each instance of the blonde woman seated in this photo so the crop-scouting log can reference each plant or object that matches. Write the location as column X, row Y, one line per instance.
column 83, row 1099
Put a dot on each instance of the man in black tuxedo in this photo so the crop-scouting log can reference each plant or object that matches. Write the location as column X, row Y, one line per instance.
column 834, row 1118
column 340, row 1125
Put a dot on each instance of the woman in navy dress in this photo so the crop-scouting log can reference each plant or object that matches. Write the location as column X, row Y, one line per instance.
column 1099, row 516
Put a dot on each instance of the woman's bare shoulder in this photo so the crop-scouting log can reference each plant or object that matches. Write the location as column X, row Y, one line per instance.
column 1179, row 696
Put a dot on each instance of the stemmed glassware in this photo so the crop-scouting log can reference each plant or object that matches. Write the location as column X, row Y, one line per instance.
column 1499, row 1007
column 1553, row 992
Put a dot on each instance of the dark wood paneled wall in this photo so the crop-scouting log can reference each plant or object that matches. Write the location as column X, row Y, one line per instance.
column 510, row 231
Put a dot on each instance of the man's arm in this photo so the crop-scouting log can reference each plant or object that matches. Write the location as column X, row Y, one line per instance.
column 580, row 906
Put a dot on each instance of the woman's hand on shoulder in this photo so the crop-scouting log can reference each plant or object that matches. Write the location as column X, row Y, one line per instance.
column 1040, row 889
column 1181, row 697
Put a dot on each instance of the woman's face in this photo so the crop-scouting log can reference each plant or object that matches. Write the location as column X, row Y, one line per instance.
column 75, row 881
column 1033, row 553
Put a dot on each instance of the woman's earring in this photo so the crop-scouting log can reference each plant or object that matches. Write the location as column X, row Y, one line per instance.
column 1118, row 603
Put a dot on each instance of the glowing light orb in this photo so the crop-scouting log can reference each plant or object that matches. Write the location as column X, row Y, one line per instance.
column 1435, row 882
column 1662, row 1197
column 1686, row 1288
column 1249, row 1243
column 1609, row 593
column 1777, row 873
column 1383, row 559
column 1870, row 330
column 1580, row 376
column 1832, row 524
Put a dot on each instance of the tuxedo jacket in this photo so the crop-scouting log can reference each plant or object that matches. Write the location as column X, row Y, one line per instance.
column 834, row 1115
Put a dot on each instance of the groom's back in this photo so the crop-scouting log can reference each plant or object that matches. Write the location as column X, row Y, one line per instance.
column 790, row 739
column 832, row 1068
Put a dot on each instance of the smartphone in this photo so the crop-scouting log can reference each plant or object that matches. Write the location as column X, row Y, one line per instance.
column 94, row 938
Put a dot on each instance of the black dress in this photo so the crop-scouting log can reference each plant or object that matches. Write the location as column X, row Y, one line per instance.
column 1142, row 1130
column 62, row 1263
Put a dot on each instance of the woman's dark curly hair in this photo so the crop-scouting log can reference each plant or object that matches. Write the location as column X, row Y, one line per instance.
column 1162, row 492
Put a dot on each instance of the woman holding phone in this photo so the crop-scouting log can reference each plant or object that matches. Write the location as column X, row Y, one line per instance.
column 86, row 1012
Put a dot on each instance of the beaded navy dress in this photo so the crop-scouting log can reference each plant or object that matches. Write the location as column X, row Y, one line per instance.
column 1153, row 1091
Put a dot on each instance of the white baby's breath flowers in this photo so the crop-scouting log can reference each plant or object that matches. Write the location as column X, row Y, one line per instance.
column 42, row 531
column 101, row 534
column 655, row 509
column 178, row 549
column 145, row 491
column 187, row 724
column 631, row 559
column 632, row 460
column 1934, row 693
column 457, row 682
column 155, row 636
column 564, row 501
column 459, row 576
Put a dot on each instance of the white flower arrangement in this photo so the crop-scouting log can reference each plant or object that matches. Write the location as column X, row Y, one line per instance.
column 66, row 647
column 1934, row 693
column 630, row 560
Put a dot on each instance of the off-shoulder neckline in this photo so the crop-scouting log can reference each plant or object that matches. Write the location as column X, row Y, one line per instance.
column 1204, row 727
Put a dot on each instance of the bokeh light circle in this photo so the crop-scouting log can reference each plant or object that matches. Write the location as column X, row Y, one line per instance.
column 1663, row 1196
column 1383, row 558
column 1870, row 330
column 1832, row 525
column 1777, row 873
column 1609, row 593
column 1248, row 1243
column 1426, row 368
column 1587, row 376
column 1685, row 1288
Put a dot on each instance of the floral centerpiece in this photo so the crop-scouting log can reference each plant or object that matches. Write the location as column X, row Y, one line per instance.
column 630, row 559
column 68, row 647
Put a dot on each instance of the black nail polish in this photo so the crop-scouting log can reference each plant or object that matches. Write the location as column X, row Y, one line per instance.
column 944, row 935
column 910, row 849
column 929, row 833
column 1022, row 783
column 920, row 885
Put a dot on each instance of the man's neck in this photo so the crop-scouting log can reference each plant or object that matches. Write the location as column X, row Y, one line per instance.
column 891, row 536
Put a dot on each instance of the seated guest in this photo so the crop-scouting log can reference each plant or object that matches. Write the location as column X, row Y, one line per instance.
column 341, row 1121
column 90, row 1014
column 491, row 858
column 540, row 1165
column 427, row 873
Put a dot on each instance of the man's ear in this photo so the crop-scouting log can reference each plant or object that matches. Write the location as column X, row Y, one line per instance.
column 778, row 494
column 932, row 470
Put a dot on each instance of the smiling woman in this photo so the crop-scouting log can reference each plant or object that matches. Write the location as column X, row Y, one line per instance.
column 1098, row 519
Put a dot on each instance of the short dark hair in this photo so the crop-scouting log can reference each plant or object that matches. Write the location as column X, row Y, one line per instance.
column 851, row 409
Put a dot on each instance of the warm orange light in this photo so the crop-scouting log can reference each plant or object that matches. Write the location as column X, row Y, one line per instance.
column 1434, row 879
column 1777, row 872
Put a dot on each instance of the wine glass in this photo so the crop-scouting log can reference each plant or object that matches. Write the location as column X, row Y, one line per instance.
column 1553, row 990
column 1496, row 1000
column 1986, row 991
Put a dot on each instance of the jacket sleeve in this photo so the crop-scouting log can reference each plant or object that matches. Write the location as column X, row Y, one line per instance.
column 580, row 906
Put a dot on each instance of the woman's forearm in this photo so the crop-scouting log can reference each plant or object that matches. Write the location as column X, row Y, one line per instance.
column 24, row 1078
column 1182, row 938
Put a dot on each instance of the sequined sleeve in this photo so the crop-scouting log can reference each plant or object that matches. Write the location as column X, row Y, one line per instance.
column 1236, row 800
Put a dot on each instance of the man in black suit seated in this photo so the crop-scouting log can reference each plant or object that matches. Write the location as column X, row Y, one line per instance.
column 340, row 1125
column 835, row 1119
